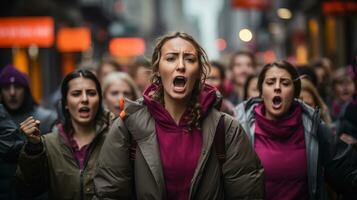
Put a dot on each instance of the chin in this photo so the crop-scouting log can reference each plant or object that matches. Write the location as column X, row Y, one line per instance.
column 85, row 121
column 14, row 107
column 176, row 96
column 179, row 96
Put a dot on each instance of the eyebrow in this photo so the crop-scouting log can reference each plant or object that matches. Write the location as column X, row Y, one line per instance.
column 89, row 89
column 177, row 53
column 284, row 78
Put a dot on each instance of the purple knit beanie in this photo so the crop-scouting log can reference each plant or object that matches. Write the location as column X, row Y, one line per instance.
column 10, row 75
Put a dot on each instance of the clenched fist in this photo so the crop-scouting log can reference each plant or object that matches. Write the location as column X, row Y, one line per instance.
column 30, row 127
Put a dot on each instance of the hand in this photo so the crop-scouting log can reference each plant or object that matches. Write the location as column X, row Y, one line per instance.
column 30, row 127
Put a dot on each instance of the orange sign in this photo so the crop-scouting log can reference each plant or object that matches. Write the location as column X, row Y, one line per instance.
column 126, row 47
column 339, row 7
column 26, row 31
column 73, row 39
column 251, row 4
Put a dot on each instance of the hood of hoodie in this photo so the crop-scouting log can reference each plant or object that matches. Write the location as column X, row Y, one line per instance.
column 209, row 97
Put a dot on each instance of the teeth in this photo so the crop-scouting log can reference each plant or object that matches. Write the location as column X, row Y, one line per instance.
column 84, row 109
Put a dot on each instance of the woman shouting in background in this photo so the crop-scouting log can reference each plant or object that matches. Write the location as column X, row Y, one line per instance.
column 62, row 163
column 297, row 150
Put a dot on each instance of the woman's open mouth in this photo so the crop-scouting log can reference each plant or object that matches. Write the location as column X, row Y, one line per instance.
column 277, row 102
column 179, row 83
column 84, row 112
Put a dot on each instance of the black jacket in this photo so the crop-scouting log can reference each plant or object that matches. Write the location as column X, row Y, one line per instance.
column 11, row 142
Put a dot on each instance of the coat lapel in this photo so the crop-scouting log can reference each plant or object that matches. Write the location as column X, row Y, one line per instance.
column 209, row 127
column 145, row 136
column 150, row 150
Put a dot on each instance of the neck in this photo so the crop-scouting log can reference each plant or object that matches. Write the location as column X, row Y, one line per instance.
column 83, row 134
column 81, row 130
column 176, row 108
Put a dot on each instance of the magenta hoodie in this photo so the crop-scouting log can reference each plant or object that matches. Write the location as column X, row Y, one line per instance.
column 179, row 149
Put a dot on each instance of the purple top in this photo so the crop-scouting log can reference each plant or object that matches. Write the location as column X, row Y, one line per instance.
column 280, row 146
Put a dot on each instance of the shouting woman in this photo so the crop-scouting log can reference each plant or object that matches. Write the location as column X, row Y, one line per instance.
column 62, row 163
column 294, row 146
column 170, row 135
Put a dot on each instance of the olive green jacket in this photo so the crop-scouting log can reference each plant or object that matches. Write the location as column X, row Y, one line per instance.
column 117, row 177
column 56, row 171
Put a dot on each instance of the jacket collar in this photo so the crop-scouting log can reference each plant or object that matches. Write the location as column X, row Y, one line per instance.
column 101, row 125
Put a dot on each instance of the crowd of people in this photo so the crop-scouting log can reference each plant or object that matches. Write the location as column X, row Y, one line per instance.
column 182, row 127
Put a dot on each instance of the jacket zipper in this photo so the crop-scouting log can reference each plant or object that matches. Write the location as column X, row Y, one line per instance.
column 81, row 171
column 86, row 159
column 81, row 183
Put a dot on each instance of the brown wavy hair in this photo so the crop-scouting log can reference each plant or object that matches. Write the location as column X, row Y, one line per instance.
column 194, row 118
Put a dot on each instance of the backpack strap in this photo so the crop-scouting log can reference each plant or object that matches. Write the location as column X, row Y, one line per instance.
column 220, row 141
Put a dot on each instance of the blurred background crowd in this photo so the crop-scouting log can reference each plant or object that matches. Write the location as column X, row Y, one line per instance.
column 43, row 40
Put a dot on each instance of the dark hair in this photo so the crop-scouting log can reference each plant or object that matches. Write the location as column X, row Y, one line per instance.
column 308, row 72
column 65, row 88
column 282, row 64
column 246, row 86
column 195, row 116
column 220, row 67
column 242, row 53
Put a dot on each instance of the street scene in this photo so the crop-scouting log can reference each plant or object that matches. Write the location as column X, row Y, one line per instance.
column 178, row 99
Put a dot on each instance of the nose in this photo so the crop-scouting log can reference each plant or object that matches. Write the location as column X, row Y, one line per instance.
column 121, row 95
column 84, row 97
column 12, row 90
column 277, row 86
column 181, row 65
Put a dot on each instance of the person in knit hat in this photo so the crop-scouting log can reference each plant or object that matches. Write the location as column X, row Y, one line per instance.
column 16, row 97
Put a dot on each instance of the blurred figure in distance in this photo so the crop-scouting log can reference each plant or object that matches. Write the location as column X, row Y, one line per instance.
column 216, row 78
column 118, row 85
column 242, row 65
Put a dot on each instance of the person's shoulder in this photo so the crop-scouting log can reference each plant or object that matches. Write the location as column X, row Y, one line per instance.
column 3, row 113
column 133, row 106
column 245, row 109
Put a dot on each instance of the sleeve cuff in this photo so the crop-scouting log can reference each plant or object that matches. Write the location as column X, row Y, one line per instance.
column 33, row 149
